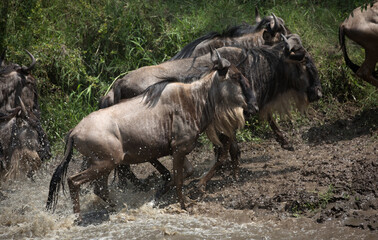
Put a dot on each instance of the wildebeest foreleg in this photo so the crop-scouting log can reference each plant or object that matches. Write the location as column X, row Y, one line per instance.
column 235, row 157
column 178, row 176
column 168, row 181
column 221, row 154
column 124, row 172
column 166, row 175
column 279, row 135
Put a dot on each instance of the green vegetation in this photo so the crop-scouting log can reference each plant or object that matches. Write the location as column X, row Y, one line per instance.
column 83, row 45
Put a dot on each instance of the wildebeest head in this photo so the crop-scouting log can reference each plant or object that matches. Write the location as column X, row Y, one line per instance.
column 236, row 95
column 271, row 28
column 303, row 68
column 17, row 81
column 284, row 74
column 21, row 148
column 21, row 130
column 231, row 72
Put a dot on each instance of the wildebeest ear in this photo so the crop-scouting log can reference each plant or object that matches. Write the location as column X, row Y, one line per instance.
column 2, row 57
column 274, row 23
column 257, row 15
column 23, row 108
column 287, row 44
column 213, row 56
column 219, row 62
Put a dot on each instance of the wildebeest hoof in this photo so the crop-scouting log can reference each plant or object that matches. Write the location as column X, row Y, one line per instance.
column 201, row 187
column 162, row 191
column 111, row 208
column 78, row 221
column 287, row 146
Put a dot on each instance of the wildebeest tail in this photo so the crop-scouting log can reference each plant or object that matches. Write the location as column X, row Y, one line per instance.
column 348, row 62
column 59, row 175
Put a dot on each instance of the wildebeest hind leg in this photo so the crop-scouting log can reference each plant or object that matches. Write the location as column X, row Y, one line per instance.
column 92, row 173
column 124, row 172
column 367, row 68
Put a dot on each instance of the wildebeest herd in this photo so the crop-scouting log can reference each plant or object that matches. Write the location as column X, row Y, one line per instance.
column 211, row 86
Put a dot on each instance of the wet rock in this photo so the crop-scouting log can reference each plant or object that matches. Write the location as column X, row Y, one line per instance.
column 94, row 218
column 354, row 222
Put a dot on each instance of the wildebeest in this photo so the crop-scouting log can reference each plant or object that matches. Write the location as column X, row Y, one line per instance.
column 23, row 143
column 362, row 27
column 165, row 120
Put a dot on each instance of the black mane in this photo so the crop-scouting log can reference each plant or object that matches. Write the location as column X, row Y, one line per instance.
column 189, row 48
column 152, row 94
column 235, row 31
column 9, row 68
column 230, row 32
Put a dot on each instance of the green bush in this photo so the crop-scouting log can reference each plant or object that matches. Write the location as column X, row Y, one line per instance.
column 82, row 45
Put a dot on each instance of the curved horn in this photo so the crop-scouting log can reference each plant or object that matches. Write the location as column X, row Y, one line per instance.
column 274, row 23
column 2, row 57
column 23, row 108
column 287, row 44
column 257, row 15
column 27, row 69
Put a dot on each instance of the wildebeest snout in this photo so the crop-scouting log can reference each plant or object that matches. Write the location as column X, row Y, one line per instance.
column 252, row 108
column 314, row 93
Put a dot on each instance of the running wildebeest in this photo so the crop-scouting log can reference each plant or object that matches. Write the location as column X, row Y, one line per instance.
column 362, row 27
column 165, row 120
column 281, row 75
column 23, row 142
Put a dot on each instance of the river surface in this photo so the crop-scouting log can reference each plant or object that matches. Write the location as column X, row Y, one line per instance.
column 23, row 216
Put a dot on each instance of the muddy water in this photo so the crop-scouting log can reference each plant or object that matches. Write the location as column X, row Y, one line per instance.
column 22, row 216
